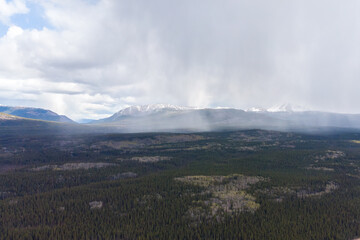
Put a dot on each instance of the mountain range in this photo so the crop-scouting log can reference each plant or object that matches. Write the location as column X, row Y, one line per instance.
column 35, row 113
column 166, row 117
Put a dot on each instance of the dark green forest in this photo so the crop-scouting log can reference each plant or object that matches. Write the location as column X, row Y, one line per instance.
column 250, row 184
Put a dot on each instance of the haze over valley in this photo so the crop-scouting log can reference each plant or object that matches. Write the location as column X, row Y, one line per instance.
column 170, row 118
column 179, row 119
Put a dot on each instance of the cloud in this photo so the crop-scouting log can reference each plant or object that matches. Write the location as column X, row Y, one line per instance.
column 99, row 56
column 10, row 8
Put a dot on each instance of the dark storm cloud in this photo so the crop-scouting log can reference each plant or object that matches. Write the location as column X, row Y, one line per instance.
column 200, row 53
column 247, row 53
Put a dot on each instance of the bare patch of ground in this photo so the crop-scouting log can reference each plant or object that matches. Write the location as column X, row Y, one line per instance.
column 330, row 187
column 331, row 154
column 96, row 204
column 207, row 146
column 6, row 155
column 73, row 166
column 228, row 194
column 311, row 167
column 278, row 194
column 203, row 147
column 248, row 148
column 288, row 146
column 150, row 159
column 10, row 151
column 13, row 202
column 353, row 175
column 146, row 159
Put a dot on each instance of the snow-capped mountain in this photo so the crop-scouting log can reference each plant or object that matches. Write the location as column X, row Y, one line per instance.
column 280, row 108
column 256, row 109
column 141, row 110
column 166, row 117
column 151, row 108
column 287, row 108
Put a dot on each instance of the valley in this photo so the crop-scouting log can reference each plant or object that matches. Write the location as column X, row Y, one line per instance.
column 183, row 120
column 180, row 186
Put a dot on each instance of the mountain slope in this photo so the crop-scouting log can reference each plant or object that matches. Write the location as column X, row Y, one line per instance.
column 6, row 117
column 11, row 126
column 141, row 111
column 35, row 113
column 171, row 118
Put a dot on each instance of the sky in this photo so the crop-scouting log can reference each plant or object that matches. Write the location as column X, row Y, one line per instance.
column 90, row 58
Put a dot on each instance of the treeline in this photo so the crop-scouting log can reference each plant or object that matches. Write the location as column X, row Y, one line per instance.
column 155, row 207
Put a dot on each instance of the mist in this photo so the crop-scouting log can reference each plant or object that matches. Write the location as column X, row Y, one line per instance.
column 89, row 59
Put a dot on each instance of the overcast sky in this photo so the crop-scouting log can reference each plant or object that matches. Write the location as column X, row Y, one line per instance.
column 89, row 59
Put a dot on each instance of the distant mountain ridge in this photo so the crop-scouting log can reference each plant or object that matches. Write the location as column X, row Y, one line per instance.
column 151, row 108
column 143, row 110
column 170, row 118
column 35, row 113
column 165, row 117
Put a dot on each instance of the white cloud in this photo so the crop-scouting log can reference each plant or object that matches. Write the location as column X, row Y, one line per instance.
column 10, row 8
column 101, row 56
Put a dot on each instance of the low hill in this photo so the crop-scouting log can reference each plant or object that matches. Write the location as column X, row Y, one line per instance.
column 35, row 113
